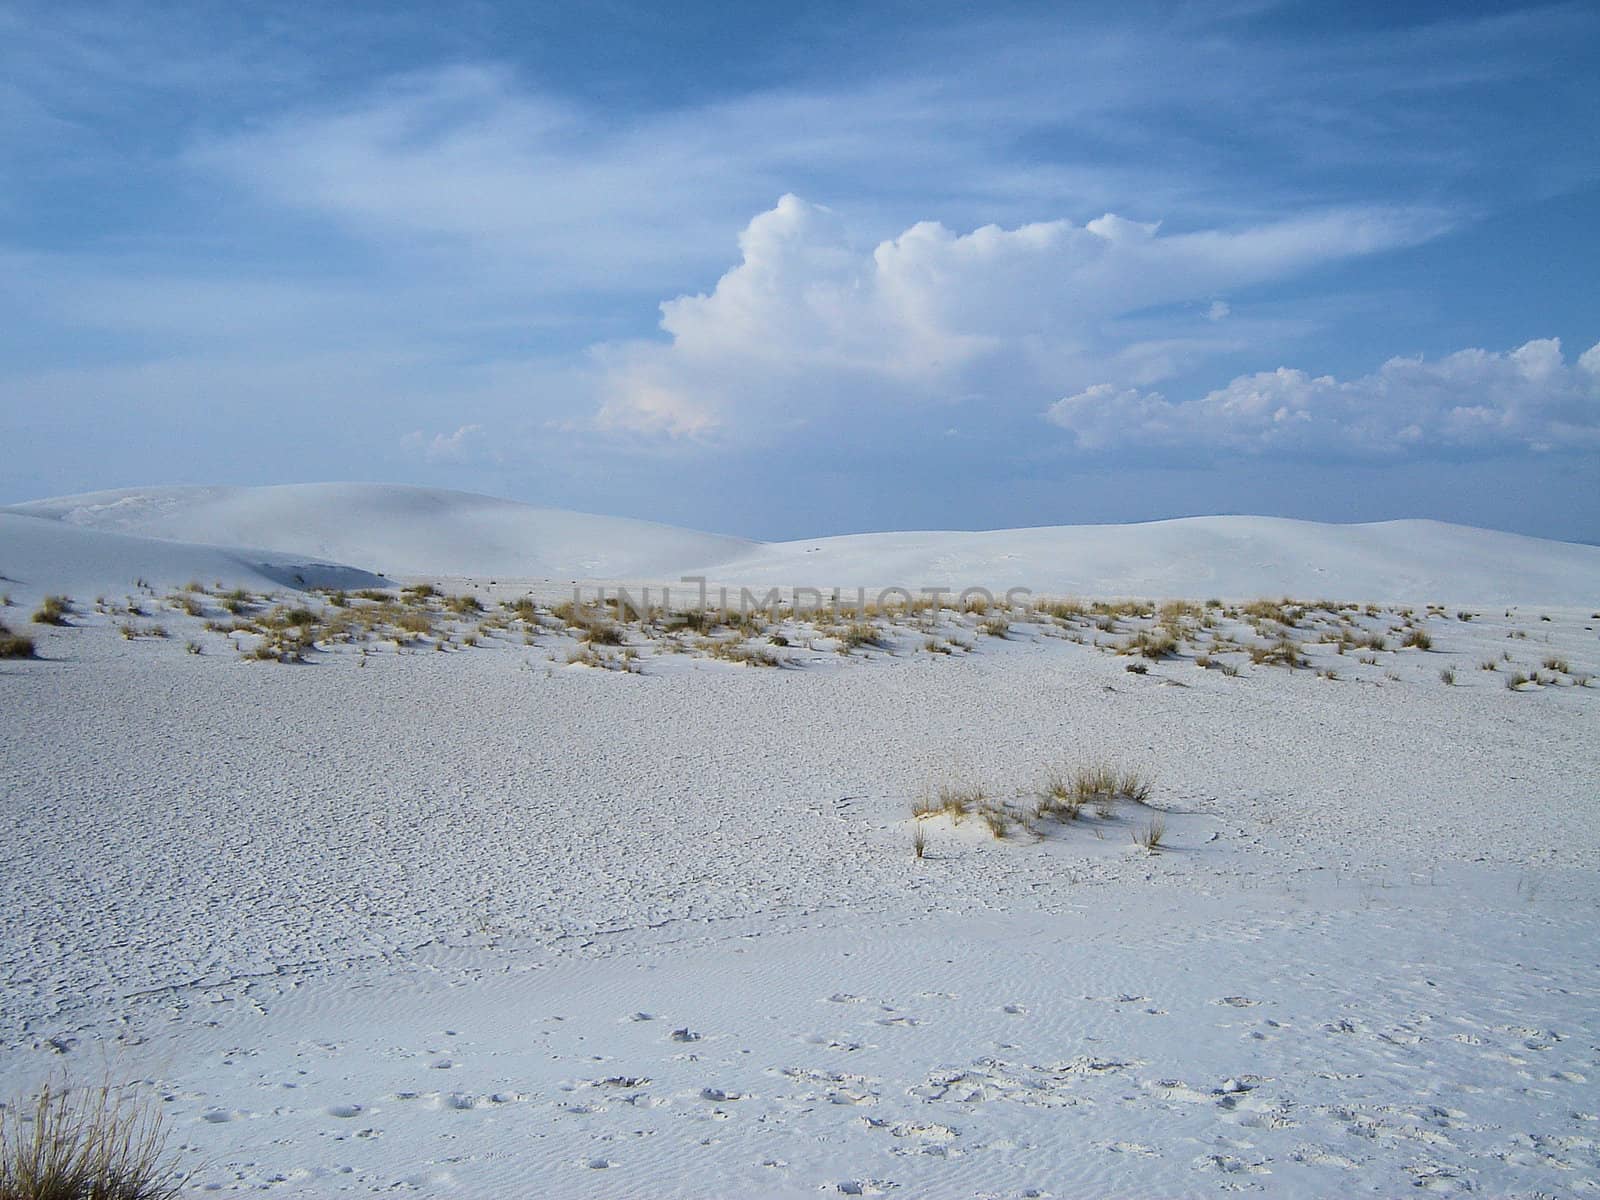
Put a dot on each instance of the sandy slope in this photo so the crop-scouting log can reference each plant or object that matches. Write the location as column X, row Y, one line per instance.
column 398, row 530
column 419, row 531
column 42, row 556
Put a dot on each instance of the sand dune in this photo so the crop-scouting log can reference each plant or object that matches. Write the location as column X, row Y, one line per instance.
column 38, row 556
column 421, row 531
column 398, row 530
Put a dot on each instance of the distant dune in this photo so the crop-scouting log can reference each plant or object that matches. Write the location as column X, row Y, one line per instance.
column 1198, row 557
column 38, row 556
column 401, row 531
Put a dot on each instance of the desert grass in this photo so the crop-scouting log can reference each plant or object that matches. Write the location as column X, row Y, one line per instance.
column 131, row 632
column 100, row 1143
column 52, row 610
column 14, row 645
column 1150, row 835
column 1285, row 652
column 1558, row 664
column 1065, row 792
column 1418, row 639
column 859, row 634
column 919, row 841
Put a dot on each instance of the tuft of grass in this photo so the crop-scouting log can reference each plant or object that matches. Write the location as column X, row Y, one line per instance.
column 1560, row 665
column 1418, row 639
column 1516, row 680
column 131, row 631
column 860, row 633
column 996, row 626
column 1488, row 664
column 101, row 1143
column 1283, row 652
column 1448, row 676
column 603, row 633
column 1150, row 836
column 919, row 841
column 52, row 610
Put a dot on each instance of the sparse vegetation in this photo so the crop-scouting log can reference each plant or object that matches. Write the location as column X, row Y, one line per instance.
column 101, row 1143
column 52, row 610
column 14, row 645
column 1418, row 639
column 1150, row 835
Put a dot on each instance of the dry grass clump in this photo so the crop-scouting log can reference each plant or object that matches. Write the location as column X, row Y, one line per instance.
column 130, row 631
column 1150, row 643
column 1065, row 793
column 1558, row 664
column 52, row 610
column 860, row 633
column 1418, row 639
column 187, row 602
column 14, row 645
column 995, row 626
column 919, row 841
column 958, row 801
column 737, row 652
column 100, row 1143
column 1149, row 836
column 603, row 633
column 1515, row 681
column 1282, row 653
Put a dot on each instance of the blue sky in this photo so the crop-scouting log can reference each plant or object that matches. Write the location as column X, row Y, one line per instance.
column 817, row 269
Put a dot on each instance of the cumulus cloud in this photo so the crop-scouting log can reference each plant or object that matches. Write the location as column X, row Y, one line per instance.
column 1474, row 400
column 934, row 315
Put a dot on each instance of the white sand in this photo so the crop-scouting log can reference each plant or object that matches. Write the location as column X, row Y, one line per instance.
column 433, row 923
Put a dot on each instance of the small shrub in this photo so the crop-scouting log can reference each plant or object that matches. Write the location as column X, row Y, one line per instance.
column 1418, row 639
column 1448, row 676
column 1138, row 668
column 919, row 841
column 1558, row 664
column 1516, row 680
column 52, row 610
column 995, row 626
column 14, row 645
column 1488, row 664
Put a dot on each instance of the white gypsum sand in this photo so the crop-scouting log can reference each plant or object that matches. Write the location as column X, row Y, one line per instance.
column 481, row 922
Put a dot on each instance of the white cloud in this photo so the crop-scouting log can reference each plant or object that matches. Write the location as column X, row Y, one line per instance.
column 932, row 315
column 1525, row 399
column 466, row 444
